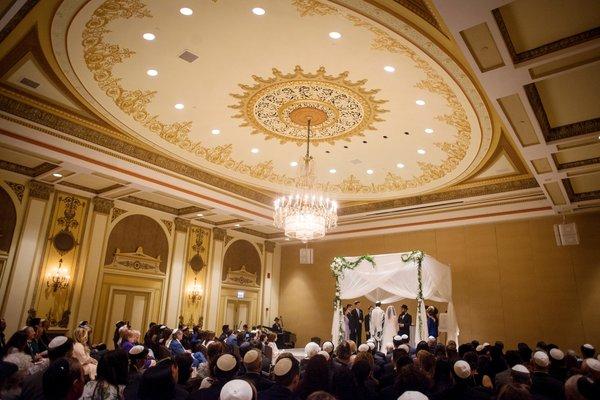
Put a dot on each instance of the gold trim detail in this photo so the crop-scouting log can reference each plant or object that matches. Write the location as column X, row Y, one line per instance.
column 168, row 224
column 18, row 188
column 116, row 213
column 40, row 190
column 102, row 206
column 101, row 57
column 268, row 107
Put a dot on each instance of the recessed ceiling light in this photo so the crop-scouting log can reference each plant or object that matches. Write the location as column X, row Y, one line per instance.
column 421, row 151
column 186, row 11
column 258, row 11
column 400, row 165
column 332, row 171
column 420, row 102
column 389, row 68
column 237, row 225
column 370, row 171
column 179, row 106
column 428, row 130
column 215, row 131
column 57, row 175
column 335, row 35
column 149, row 36
column 199, row 215
column 152, row 72
column 294, row 164
column 254, row 150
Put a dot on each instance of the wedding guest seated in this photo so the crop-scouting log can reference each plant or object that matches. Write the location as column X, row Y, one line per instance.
column 253, row 366
column 286, row 373
column 63, row 380
column 81, row 352
column 111, row 378
column 160, row 383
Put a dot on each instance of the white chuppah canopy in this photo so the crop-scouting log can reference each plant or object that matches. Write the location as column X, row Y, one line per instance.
column 392, row 280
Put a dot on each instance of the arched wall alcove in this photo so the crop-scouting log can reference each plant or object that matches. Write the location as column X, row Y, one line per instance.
column 135, row 231
column 242, row 253
column 8, row 220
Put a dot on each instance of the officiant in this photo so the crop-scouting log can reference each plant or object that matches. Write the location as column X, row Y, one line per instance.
column 404, row 321
column 356, row 321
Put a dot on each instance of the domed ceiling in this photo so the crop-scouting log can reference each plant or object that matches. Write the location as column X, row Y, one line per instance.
column 228, row 89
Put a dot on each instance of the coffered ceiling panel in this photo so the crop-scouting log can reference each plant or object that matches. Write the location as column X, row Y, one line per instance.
column 392, row 114
column 533, row 23
column 586, row 183
column 571, row 97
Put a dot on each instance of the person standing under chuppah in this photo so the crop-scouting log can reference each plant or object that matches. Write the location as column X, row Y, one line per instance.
column 376, row 322
column 432, row 321
column 404, row 321
column 356, row 321
column 367, row 322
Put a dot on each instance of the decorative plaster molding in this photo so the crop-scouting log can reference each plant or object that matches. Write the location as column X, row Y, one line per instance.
column 181, row 224
column 269, row 246
column 18, row 188
column 40, row 190
column 102, row 206
column 116, row 213
column 168, row 224
column 219, row 234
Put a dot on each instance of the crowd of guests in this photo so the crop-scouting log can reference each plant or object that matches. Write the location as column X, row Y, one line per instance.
column 246, row 364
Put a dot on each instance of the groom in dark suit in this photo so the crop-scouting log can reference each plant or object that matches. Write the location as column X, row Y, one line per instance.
column 404, row 321
column 355, row 321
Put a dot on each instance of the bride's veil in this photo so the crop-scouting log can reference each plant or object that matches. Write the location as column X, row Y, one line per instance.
column 390, row 312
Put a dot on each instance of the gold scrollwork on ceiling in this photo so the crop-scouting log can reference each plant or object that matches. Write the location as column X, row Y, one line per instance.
column 348, row 108
column 100, row 58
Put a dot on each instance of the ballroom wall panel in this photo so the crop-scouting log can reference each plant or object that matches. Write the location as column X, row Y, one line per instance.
column 510, row 280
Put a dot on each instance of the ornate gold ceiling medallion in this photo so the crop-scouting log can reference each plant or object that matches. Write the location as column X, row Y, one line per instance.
column 278, row 106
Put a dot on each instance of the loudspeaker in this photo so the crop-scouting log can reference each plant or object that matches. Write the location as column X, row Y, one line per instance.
column 306, row 256
column 566, row 234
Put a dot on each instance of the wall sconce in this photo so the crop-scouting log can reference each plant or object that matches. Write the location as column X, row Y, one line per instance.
column 241, row 294
column 195, row 292
column 59, row 279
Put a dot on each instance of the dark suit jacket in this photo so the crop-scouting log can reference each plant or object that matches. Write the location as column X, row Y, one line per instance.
column 405, row 319
column 356, row 319
column 546, row 386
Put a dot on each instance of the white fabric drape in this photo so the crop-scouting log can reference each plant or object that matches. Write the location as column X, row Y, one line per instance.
column 393, row 280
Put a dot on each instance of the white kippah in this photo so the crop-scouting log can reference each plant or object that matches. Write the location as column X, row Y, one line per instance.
column 282, row 367
column 397, row 338
column 251, row 356
column 226, row 362
column 137, row 349
column 324, row 354
column 557, row 354
column 588, row 346
column 593, row 364
column 413, row 395
column 541, row 359
column 237, row 389
column 521, row 369
column 404, row 347
column 363, row 348
column 371, row 340
column 371, row 345
column 311, row 349
column 462, row 369
column 486, row 344
column 430, row 338
column 57, row 341
column 328, row 346
column 479, row 348
column 404, row 337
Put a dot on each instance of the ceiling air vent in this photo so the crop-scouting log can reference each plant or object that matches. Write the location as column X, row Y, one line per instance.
column 188, row 56
column 30, row 83
column 356, row 161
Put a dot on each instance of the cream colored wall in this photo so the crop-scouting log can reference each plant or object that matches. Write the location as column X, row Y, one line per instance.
column 510, row 280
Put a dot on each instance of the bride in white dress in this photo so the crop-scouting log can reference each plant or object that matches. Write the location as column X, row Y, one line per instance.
column 390, row 326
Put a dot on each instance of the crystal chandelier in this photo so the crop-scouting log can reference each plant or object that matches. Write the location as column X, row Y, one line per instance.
column 195, row 292
column 305, row 214
column 59, row 279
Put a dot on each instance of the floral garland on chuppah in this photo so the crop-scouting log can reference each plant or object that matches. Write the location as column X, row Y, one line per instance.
column 417, row 256
column 338, row 266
